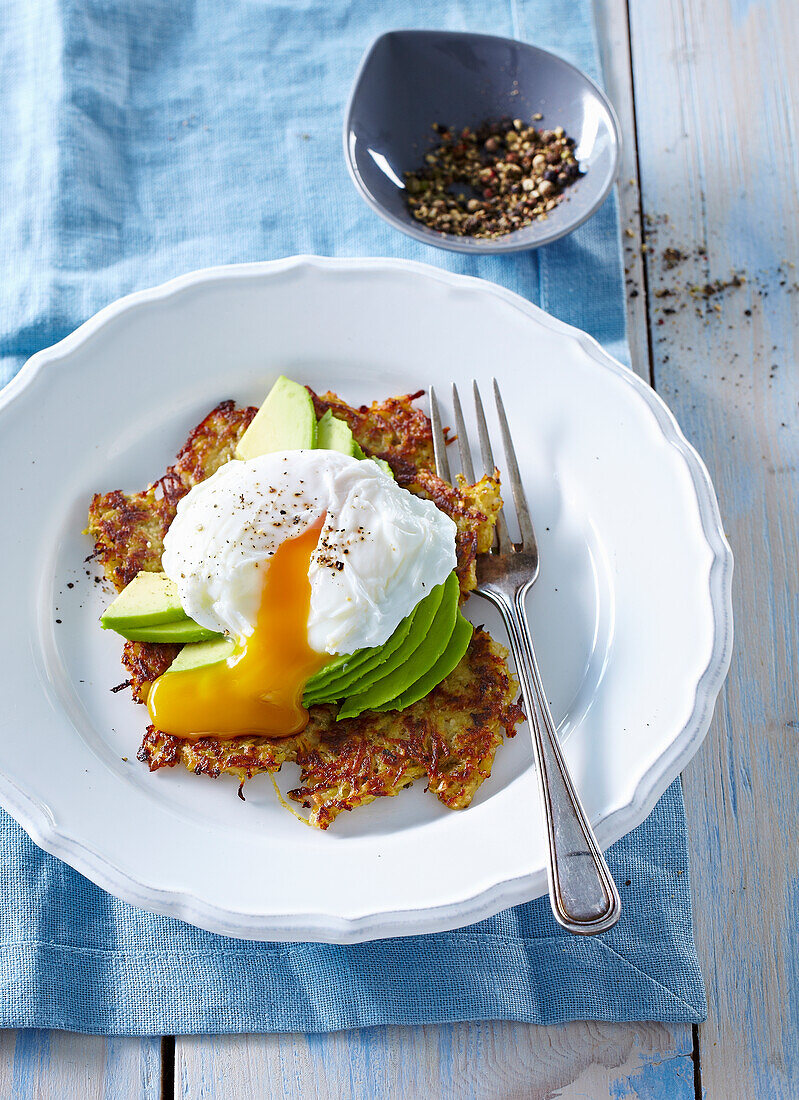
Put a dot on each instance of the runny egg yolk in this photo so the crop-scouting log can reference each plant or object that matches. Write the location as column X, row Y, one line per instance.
column 259, row 689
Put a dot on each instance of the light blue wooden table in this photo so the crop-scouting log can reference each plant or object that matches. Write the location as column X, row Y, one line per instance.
column 708, row 95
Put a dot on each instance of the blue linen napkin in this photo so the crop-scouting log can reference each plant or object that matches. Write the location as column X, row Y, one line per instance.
column 140, row 139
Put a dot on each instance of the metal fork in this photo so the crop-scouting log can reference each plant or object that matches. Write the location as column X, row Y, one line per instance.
column 582, row 892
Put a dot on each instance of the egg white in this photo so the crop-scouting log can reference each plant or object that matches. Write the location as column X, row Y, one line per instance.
column 381, row 549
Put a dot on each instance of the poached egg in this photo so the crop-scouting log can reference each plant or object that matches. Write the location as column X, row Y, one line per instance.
column 298, row 556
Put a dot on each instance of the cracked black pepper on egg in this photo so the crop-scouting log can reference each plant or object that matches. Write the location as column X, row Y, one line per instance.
column 489, row 181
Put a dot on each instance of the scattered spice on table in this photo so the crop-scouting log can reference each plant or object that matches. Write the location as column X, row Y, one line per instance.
column 488, row 181
column 672, row 257
column 717, row 286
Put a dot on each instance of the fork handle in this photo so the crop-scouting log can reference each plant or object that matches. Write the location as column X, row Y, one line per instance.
column 582, row 892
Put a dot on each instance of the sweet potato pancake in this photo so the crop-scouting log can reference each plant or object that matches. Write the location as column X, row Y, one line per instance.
column 450, row 736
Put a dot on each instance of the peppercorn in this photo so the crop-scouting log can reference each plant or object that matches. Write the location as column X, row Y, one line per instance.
column 489, row 180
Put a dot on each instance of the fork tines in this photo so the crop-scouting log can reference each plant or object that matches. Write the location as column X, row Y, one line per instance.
column 512, row 466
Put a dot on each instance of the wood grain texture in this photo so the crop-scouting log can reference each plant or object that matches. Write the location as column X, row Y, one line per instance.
column 718, row 116
column 60, row 1065
column 613, row 39
column 485, row 1061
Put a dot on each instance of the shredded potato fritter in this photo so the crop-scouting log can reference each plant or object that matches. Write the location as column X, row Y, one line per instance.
column 450, row 737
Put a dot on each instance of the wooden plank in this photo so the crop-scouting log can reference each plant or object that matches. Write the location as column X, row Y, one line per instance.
column 61, row 1065
column 484, row 1061
column 614, row 47
column 718, row 122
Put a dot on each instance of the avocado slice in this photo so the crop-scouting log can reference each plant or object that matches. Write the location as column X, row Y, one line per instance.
column 285, row 422
column 421, row 619
column 198, row 654
column 150, row 598
column 334, row 680
column 440, row 670
column 384, row 466
column 184, row 630
column 339, row 667
column 333, row 434
column 358, row 452
column 406, row 666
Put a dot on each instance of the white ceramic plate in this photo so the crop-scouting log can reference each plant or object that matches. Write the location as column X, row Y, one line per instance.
column 631, row 613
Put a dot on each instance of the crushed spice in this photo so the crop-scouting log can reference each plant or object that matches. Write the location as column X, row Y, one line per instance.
column 489, row 181
column 672, row 257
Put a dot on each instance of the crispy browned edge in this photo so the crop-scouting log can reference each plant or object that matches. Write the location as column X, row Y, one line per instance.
column 451, row 736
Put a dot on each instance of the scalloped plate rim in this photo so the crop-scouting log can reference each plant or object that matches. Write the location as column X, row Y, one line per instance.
column 319, row 926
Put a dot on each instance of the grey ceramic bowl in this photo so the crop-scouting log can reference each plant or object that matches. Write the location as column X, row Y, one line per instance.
column 410, row 79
